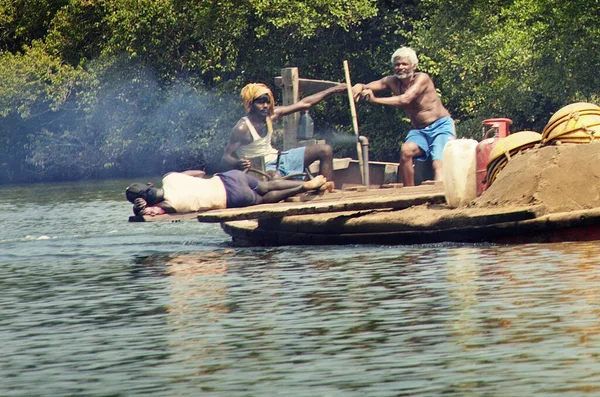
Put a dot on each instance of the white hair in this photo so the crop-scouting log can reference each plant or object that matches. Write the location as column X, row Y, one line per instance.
column 406, row 52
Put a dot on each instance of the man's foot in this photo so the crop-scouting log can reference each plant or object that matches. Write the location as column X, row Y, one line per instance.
column 315, row 183
column 328, row 186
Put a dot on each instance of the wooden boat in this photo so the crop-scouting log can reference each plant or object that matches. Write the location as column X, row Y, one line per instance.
column 525, row 225
column 392, row 216
column 399, row 216
column 395, row 216
column 545, row 194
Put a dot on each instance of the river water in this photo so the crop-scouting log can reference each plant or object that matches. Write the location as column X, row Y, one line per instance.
column 95, row 306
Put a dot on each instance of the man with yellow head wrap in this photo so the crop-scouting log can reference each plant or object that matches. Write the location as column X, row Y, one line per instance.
column 256, row 90
column 251, row 136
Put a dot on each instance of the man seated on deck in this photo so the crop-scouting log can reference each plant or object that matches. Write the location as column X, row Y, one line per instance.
column 189, row 191
column 251, row 136
column 416, row 94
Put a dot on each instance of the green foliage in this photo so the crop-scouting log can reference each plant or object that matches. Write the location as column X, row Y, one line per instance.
column 207, row 39
column 517, row 59
column 34, row 81
column 304, row 18
column 96, row 88
column 23, row 21
column 103, row 87
column 79, row 31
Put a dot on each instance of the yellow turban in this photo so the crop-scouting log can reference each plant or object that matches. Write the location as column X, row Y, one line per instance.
column 253, row 91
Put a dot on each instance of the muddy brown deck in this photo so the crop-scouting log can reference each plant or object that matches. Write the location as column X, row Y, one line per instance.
column 581, row 225
column 340, row 200
column 332, row 202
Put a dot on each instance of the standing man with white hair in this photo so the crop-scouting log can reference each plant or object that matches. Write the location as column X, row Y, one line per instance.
column 415, row 93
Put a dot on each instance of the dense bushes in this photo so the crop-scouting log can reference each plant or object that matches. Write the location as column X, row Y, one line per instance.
column 104, row 88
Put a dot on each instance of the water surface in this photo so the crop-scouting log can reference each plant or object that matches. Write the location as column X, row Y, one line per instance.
column 96, row 306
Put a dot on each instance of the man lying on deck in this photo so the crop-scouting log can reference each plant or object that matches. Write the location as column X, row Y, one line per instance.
column 189, row 191
column 251, row 136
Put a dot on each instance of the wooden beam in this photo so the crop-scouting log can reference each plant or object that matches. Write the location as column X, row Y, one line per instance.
column 308, row 86
column 522, row 226
column 164, row 217
column 315, row 207
column 291, row 95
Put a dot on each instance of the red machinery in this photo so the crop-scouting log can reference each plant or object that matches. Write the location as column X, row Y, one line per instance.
column 496, row 129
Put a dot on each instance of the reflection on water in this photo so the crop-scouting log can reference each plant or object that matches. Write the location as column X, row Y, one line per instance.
column 93, row 305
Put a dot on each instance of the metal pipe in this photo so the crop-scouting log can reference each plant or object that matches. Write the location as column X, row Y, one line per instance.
column 364, row 143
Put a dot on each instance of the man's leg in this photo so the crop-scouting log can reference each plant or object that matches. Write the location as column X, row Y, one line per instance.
column 409, row 151
column 279, row 189
column 437, row 170
column 265, row 187
column 440, row 139
column 323, row 153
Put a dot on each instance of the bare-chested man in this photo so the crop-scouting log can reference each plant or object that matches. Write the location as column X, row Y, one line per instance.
column 251, row 136
column 415, row 93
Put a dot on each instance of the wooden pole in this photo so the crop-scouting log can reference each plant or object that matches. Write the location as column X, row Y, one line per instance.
column 291, row 95
column 354, row 121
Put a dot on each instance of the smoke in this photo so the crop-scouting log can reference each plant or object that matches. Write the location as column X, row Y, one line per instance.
column 337, row 138
column 132, row 124
column 125, row 121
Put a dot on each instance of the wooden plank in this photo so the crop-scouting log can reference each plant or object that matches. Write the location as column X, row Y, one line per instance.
column 309, row 86
column 318, row 207
column 313, row 196
column 423, row 218
column 581, row 225
column 164, row 217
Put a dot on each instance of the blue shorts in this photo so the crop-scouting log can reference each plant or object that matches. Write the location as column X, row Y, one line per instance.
column 432, row 139
column 290, row 162
column 240, row 188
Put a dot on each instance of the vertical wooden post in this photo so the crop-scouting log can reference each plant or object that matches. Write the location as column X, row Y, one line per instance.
column 291, row 95
column 363, row 169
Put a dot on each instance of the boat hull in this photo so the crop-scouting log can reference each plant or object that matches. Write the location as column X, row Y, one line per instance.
column 558, row 227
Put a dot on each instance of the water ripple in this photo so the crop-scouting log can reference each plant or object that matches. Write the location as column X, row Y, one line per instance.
column 95, row 306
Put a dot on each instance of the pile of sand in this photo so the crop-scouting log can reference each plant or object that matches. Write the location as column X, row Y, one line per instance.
column 562, row 178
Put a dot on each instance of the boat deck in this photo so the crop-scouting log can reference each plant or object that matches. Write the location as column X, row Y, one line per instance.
column 358, row 198
column 398, row 227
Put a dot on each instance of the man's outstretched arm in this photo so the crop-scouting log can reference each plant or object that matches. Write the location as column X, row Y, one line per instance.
column 309, row 101
column 405, row 99
column 375, row 86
